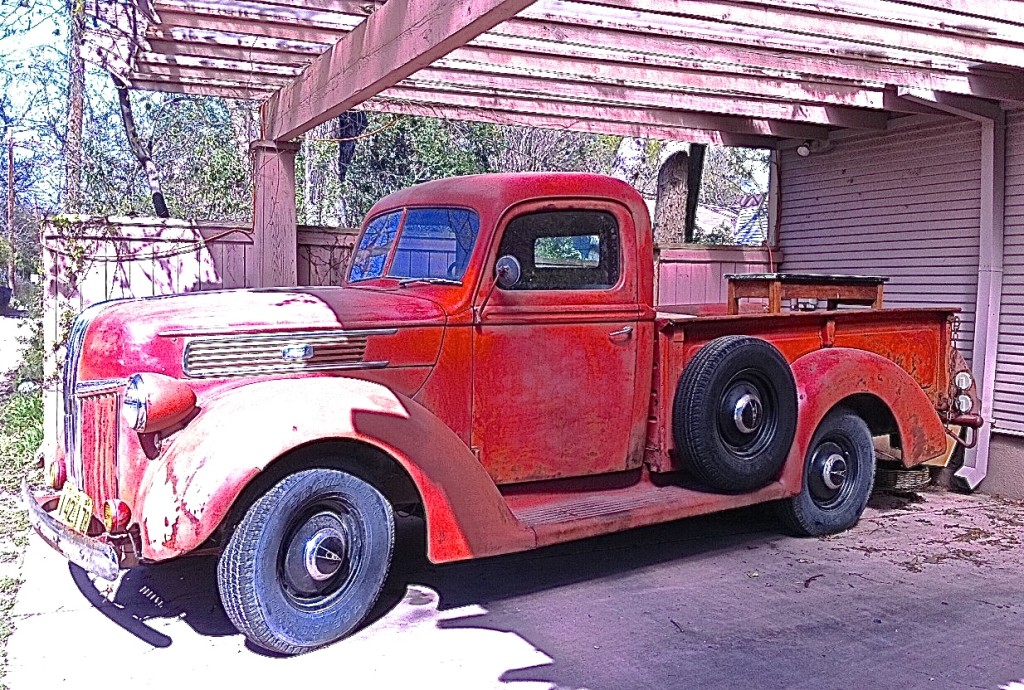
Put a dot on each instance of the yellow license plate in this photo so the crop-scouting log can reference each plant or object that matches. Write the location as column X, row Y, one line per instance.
column 75, row 509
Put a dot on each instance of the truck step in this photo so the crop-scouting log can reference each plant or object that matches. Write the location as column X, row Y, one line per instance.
column 557, row 517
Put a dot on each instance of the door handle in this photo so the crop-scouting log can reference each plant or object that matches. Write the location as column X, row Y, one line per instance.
column 622, row 334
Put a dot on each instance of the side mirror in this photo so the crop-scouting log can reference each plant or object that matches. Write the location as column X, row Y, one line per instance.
column 507, row 272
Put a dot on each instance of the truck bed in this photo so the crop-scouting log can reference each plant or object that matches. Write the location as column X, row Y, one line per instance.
column 917, row 340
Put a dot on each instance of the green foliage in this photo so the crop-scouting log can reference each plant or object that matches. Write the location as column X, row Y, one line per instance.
column 206, row 173
column 722, row 234
column 557, row 248
column 31, row 340
column 732, row 173
column 397, row 152
column 21, row 433
column 403, row 151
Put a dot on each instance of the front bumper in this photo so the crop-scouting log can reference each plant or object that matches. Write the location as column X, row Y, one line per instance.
column 97, row 555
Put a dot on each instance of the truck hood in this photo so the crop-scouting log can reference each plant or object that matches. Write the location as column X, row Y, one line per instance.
column 146, row 334
column 240, row 311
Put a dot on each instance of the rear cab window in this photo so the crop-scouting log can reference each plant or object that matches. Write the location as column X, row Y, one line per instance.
column 564, row 250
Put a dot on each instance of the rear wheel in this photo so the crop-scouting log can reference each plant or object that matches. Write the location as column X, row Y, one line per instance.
column 308, row 560
column 839, row 472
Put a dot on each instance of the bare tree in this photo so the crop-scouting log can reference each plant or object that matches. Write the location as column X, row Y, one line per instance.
column 12, row 248
column 76, row 109
column 143, row 152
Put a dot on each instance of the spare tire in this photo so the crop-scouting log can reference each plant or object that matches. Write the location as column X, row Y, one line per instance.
column 734, row 415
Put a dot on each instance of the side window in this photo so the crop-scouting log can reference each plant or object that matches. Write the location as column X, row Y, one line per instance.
column 374, row 247
column 564, row 250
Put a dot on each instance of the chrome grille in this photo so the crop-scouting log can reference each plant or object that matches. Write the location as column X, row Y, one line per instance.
column 278, row 353
column 72, row 409
column 99, row 423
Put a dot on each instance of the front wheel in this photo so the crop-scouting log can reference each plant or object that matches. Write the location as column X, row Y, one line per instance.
column 308, row 561
column 839, row 471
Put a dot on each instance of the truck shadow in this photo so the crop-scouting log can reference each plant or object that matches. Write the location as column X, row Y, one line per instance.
column 186, row 589
column 498, row 578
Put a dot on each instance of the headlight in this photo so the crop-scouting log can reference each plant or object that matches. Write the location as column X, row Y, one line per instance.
column 135, row 408
column 153, row 402
column 963, row 380
column 964, row 403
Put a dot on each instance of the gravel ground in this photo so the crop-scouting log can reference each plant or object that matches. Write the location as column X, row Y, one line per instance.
column 923, row 593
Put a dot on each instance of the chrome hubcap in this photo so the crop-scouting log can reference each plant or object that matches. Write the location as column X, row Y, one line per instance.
column 833, row 471
column 747, row 413
column 323, row 553
column 746, row 417
column 317, row 558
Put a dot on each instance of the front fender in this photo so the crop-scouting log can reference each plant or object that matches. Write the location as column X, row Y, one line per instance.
column 191, row 487
column 825, row 377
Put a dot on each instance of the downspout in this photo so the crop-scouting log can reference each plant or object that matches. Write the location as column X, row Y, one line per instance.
column 990, row 257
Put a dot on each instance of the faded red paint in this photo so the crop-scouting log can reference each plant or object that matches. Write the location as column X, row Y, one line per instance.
column 504, row 416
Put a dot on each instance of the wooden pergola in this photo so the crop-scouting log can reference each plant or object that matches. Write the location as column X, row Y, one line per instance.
column 732, row 72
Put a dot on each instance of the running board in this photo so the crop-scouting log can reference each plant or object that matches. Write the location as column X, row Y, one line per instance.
column 556, row 517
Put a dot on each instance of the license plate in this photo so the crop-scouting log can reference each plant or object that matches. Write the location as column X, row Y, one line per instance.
column 75, row 509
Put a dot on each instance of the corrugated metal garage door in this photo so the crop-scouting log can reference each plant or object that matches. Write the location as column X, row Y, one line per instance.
column 1009, row 393
column 904, row 203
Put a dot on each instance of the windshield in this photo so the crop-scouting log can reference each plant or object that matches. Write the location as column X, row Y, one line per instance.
column 433, row 243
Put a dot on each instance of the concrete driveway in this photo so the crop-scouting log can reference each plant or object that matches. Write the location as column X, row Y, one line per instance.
column 10, row 349
column 924, row 593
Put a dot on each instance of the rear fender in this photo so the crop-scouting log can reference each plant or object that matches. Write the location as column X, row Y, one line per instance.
column 190, row 489
column 824, row 378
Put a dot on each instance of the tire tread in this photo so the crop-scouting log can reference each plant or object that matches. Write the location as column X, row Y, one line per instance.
column 236, row 576
column 796, row 514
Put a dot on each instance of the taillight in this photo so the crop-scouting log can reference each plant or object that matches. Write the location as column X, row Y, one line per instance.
column 56, row 473
column 116, row 515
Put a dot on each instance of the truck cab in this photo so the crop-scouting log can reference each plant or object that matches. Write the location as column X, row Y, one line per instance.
column 493, row 362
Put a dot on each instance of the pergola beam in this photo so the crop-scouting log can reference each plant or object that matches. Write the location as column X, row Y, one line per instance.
column 637, row 85
column 273, row 28
column 622, row 119
column 987, row 19
column 702, row 110
column 591, row 126
column 393, row 43
column 550, row 30
column 723, row 51
column 763, row 23
column 203, row 87
column 433, row 79
column 653, row 117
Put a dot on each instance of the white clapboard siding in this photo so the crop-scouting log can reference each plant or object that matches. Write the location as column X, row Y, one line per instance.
column 1008, row 405
column 903, row 203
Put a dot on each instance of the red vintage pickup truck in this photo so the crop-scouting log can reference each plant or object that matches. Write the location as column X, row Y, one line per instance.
column 495, row 363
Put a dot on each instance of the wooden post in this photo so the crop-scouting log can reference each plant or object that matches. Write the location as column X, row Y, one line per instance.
column 273, row 259
column 775, row 296
column 53, row 402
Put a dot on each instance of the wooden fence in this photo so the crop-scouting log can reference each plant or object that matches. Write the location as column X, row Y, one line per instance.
column 694, row 274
